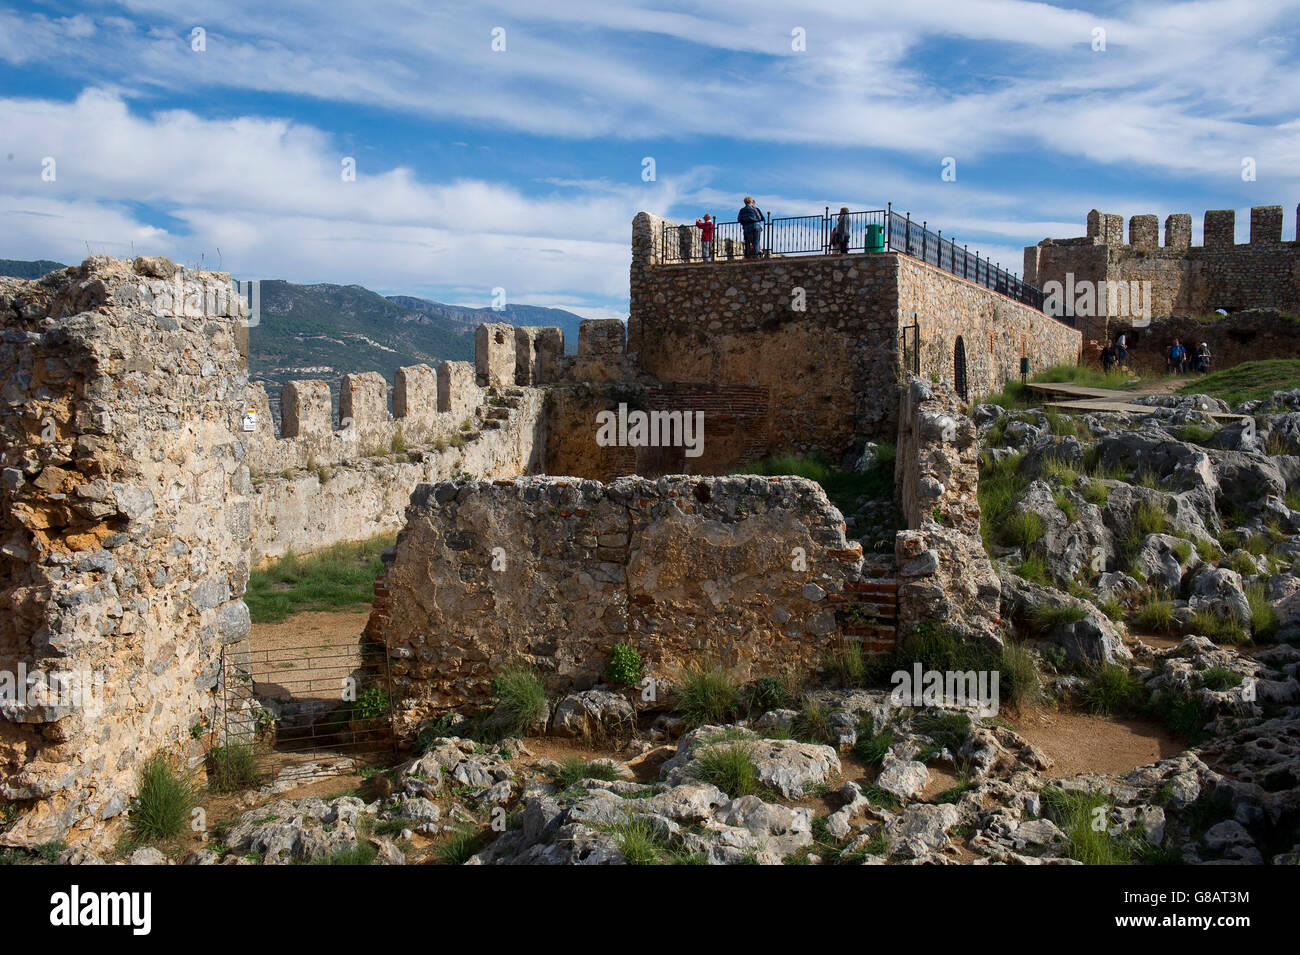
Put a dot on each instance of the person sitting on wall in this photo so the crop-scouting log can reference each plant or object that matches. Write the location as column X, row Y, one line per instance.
column 1203, row 358
column 1176, row 358
column 705, row 226
column 751, row 221
column 1108, row 356
column 840, row 237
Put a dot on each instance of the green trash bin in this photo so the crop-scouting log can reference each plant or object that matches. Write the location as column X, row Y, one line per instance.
column 875, row 238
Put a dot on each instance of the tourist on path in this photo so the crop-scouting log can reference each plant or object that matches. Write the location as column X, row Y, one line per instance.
column 1176, row 361
column 1203, row 358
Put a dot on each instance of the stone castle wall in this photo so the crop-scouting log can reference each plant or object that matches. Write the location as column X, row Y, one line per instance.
column 995, row 332
column 822, row 337
column 322, row 482
column 125, row 510
column 686, row 570
column 1185, row 280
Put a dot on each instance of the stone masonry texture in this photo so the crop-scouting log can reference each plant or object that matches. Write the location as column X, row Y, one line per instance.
column 687, row 570
column 126, row 520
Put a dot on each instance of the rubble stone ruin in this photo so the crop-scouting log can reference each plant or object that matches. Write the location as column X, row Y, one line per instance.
column 142, row 478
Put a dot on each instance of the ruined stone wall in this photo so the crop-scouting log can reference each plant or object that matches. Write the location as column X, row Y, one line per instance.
column 995, row 331
column 686, row 570
column 944, row 575
column 323, row 482
column 307, row 509
column 1184, row 279
column 125, row 513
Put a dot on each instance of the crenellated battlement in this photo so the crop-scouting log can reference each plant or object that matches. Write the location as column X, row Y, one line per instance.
column 1176, row 277
column 1218, row 230
column 429, row 406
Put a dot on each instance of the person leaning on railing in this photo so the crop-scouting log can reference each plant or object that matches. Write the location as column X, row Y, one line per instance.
column 840, row 237
column 751, row 221
column 705, row 226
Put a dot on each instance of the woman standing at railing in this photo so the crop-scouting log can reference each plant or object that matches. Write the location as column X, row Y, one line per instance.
column 705, row 226
column 751, row 221
column 840, row 237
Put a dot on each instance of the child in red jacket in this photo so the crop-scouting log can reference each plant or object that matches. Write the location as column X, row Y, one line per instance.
column 705, row 226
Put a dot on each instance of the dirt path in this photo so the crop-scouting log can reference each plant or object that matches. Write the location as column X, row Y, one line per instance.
column 311, row 628
column 1078, row 743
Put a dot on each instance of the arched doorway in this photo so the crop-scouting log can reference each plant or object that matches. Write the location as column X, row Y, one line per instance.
column 959, row 369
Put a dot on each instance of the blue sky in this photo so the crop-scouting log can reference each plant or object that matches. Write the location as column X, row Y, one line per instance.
column 522, row 168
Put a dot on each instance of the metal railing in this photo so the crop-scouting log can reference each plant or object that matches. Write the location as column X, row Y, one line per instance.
column 820, row 235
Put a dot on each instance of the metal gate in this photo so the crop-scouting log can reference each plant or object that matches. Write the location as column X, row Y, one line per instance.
column 306, row 711
column 959, row 369
column 911, row 349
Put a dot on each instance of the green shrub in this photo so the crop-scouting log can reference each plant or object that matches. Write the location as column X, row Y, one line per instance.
column 1111, row 689
column 708, row 695
column 1074, row 813
column 461, row 843
column 574, row 770
column 521, row 701
column 1217, row 627
column 729, row 766
column 1112, row 608
column 1020, row 681
column 1034, row 569
column 1183, row 715
column 766, row 693
column 1241, row 562
column 1194, row 433
column 1264, row 620
column 1046, row 618
column 637, row 842
column 1000, row 482
column 813, row 724
column 948, row 730
column 363, row 853
column 1096, row 493
column 871, row 746
column 164, row 801
column 624, row 665
column 1220, row 678
column 1183, row 551
column 231, row 768
column 1155, row 615
column 880, row 797
column 1022, row 529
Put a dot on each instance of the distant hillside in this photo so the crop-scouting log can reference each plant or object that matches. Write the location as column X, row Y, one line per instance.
column 21, row 269
column 514, row 314
column 327, row 331
column 324, row 331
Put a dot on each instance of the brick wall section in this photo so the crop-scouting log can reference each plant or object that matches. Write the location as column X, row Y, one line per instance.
column 687, row 570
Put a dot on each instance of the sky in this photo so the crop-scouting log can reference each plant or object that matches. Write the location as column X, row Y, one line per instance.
column 509, row 145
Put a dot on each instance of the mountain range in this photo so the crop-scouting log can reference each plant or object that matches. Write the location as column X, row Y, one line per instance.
column 325, row 331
